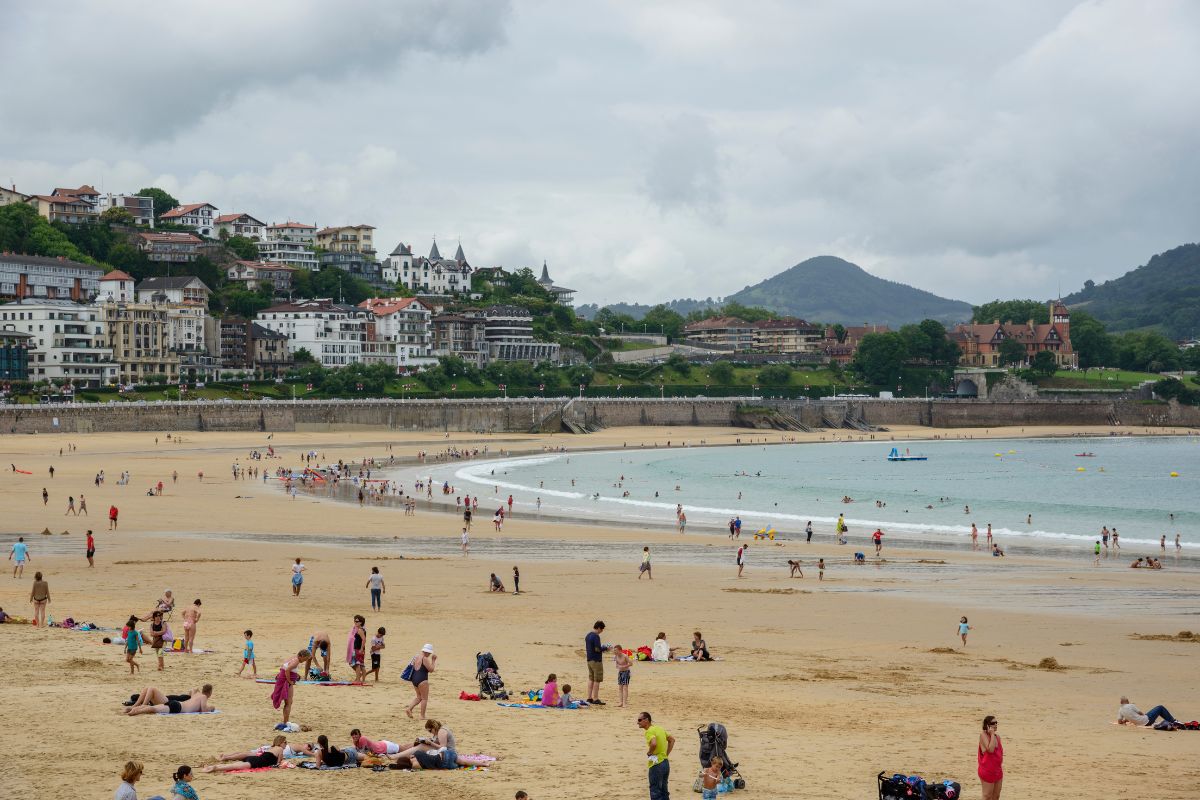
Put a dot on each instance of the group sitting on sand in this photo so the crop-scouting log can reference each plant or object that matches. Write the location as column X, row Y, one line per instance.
column 1146, row 563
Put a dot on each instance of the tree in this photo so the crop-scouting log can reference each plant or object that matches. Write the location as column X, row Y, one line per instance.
column 722, row 372
column 115, row 215
column 941, row 349
column 1090, row 341
column 163, row 202
column 879, row 358
column 245, row 249
column 839, row 332
column 22, row 230
column 775, row 375
column 668, row 322
column 680, row 364
column 1147, row 351
column 302, row 356
column 917, row 342
column 1011, row 352
column 1044, row 363
column 1012, row 311
column 332, row 282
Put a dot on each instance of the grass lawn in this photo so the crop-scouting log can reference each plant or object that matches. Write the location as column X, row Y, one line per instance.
column 1097, row 379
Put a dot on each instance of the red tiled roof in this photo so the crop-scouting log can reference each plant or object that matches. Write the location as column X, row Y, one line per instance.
column 290, row 224
column 117, row 275
column 171, row 236
column 235, row 217
column 64, row 199
column 180, row 211
column 382, row 306
column 344, row 227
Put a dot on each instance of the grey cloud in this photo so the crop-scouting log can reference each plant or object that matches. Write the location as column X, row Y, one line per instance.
column 684, row 172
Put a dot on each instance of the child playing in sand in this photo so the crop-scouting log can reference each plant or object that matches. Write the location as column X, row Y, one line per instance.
column 712, row 778
column 564, row 699
column 794, row 566
column 963, row 627
column 133, row 645
column 377, row 645
column 248, row 653
column 820, row 569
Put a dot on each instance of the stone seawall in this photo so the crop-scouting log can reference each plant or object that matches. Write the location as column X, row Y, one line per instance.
column 551, row 415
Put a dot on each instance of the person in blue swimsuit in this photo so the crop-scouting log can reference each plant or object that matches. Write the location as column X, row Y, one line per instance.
column 963, row 628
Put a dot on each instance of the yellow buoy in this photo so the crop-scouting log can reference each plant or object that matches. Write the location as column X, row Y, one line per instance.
column 998, row 455
column 1081, row 469
column 1011, row 452
column 1174, row 474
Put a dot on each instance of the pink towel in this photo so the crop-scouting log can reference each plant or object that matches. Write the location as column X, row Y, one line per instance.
column 283, row 687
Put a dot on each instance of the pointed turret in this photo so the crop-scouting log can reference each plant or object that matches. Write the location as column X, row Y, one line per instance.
column 458, row 255
column 434, row 255
column 545, row 279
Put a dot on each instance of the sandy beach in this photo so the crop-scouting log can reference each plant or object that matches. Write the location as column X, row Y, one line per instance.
column 822, row 684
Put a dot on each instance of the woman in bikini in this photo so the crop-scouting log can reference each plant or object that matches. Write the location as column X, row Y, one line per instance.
column 191, row 619
column 268, row 757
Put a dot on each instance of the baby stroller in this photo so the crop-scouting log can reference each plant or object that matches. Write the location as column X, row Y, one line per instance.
column 487, row 672
column 713, row 741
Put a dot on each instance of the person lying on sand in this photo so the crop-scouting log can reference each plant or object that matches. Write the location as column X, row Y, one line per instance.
column 1128, row 714
column 289, row 750
column 266, row 757
column 197, row 703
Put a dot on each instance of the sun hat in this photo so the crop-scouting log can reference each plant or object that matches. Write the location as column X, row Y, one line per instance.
column 428, row 648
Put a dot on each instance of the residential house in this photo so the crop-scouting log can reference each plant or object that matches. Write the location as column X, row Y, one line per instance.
column 399, row 333
column 347, row 239
column 242, row 225
column 841, row 351
column 431, row 274
column 138, row 335
column 788, row 336
column 290, row 243
column 721, row 333
column 980, row 343
column 360, row 265
column 66, row 344
column 12, row 196
column 333, row 333
column 14, row 353
column 272, row 356
column 398, row 264
column 242, row 345
column 171, row 246
column 47, row 278
column 561, row 294
column 463, row 335
column 117, row 287
column 252, row 274
column 72, row 209
column 509, row 333
column 140, row 208
column 200, row 217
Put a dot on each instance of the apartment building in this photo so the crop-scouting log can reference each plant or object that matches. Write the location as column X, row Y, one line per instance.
column 68, row 208
column 252, row 274
column 332, row 332
column 47, row 278
column 347, row 239
column 430, row 274
column 360, row 265
column 66, row 342
column 721, row 333
column 14, row 354
column 140, row 208
column 245, row 346
column 463, row 335
column 200, row 217
column 173, row 246
column 509, row 333
column 403, row 322
column 788, row 336
column 184, row 298
column 139, row 336
column 290, row 243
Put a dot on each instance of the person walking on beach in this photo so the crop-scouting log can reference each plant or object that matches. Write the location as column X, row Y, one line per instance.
column 297, row 577
column 516, row 580
column 45, row 497
column 659, row 745
column 71, row 507
column 877, row 537
column 1115, row 540
column 974, row 537
column 422, row 664
column 112, row 518
column 91, row 548
column 963, row 628
column 820, row 569
column 1096, row 550
column 644, row 569
column 466, row 541
column 741, row 558
column 377, row 587
column 82, row 506
column 1162, row 543
column 19, row 554
column 991, row 759
column 808, row 531
column 594, row 655
column 989, row 536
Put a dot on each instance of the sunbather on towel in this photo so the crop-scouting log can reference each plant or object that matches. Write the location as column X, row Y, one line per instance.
column 270, row 757
column 330, row 756
column 197, row 703
column 1128, row 714
column 380, row 747
column 289, row 750
column 151, row 696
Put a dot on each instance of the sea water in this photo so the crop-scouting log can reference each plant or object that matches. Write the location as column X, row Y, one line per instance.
column 1031, row 491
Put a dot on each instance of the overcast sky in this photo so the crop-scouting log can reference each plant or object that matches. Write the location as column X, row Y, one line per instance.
column 646, row 150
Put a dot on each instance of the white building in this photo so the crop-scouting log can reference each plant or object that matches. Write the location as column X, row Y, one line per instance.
column 68, row 344
column 239, row 225
column 47, row 278
column 200, row 217
column 399, row 328
column 332, row 332
column 117, row 287
column 431, row 274
column 140, row 208
column 290, row 243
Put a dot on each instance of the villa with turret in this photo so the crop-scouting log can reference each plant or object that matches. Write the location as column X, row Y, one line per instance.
column 430, row 274
column 980, row 344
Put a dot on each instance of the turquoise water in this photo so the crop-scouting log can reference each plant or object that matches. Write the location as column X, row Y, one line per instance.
column 1126, row 485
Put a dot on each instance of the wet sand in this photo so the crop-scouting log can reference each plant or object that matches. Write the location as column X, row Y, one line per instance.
column 823, row 684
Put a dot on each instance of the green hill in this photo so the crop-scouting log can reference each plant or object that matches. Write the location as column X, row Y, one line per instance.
column 830, row 289
column 1163, row 294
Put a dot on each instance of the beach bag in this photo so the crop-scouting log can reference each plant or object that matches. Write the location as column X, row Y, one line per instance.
column 408, row 672
column 947, row 790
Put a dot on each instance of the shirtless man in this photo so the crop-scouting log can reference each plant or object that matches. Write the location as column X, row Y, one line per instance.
column 319, row 640
column 196, row 703
column 191, row 619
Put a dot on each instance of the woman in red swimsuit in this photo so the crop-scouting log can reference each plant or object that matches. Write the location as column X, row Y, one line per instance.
column 991, row 759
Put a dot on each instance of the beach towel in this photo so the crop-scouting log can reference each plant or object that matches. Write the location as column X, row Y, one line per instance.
column 283, row 687
column 572, row 707
column 186, row 713
column 318, row 683
column 313, row 765
column 283, row 765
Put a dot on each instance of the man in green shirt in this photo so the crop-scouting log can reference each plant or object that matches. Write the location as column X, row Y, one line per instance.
column 658, row 747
